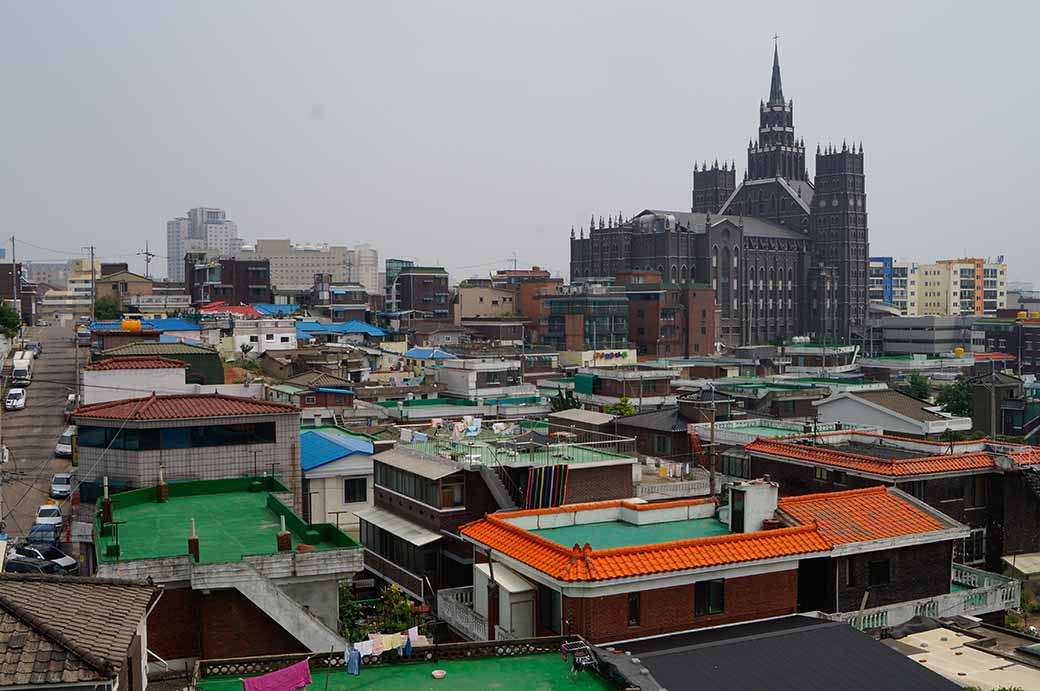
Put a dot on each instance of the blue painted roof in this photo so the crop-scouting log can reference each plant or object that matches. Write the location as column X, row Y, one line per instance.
column 149, row 324
column 271, row 309
column 428, row 354
column 325, row 389
column 319, row 447
column 351, row 327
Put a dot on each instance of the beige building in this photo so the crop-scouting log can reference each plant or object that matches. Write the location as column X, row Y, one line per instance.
column 473, row 301
column 123, row 285
column 296, row 265
column 952, row 287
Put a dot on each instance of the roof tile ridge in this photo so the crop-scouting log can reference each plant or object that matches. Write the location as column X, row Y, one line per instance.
column 563, row 508
column 526, row 534
column 816, row 496
column 99, row 664
column 833, row 452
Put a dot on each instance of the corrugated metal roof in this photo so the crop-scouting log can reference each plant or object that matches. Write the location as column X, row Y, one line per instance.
column 318, row 447
column 429, row 467
column 396, row 525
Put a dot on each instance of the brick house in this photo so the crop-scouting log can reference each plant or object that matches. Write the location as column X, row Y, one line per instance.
column 424, row 489
column 992, row 488
column 191, row 436
column 682, row 565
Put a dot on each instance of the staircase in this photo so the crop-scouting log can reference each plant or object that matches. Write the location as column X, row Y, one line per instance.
column 269, row 598
column 497, row 487
column 1032, row 478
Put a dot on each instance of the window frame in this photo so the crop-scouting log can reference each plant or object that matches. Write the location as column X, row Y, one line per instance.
column 635, row 608
column 709, row 597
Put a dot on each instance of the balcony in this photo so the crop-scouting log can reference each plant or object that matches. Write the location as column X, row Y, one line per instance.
column 975, row 592
column 455, row 607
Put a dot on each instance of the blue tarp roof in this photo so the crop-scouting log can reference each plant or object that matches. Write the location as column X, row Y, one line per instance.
column 271, row 309
column 318, row 447
column 351, row 327
column 149, row 324
column 429, row 354
column 325, row 389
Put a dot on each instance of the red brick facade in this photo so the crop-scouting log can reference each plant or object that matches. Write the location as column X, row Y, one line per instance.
column 598, row 484
column 668, row 610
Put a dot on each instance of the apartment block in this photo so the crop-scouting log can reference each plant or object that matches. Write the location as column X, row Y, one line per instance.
column 894, row 283
column 951, row 287
column 297, row 264
column 200, row 230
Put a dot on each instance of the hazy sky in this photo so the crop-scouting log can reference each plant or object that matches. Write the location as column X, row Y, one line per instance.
column 459, row 133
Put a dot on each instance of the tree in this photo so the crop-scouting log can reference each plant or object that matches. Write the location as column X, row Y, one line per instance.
column 394, row 612
column 107, row 308
column 919, row 386
column 564, row 401
column 622, row 408
column 9, row 321
column 956, row 398
column 245, row 348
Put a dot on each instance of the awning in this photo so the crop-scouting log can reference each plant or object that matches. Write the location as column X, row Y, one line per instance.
column 424, row 465
column 1026, row 564
column 509, row 580
column 396, row 525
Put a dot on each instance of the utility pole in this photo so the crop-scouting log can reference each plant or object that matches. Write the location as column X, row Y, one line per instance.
column 15, row 280
column 147, row 260
column 93, row 285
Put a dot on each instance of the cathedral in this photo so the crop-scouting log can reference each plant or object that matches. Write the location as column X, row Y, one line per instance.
column 785, row 254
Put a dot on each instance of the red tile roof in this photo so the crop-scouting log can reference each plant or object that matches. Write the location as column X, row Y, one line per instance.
column 1026, row 457
column 856, row 515
column 897, row 467
column 224, row 308
column 994, row 356
column 117, row 363
column 587, row 564
column 181, row 406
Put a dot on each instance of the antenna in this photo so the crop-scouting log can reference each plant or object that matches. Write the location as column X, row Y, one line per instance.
column 147, row 259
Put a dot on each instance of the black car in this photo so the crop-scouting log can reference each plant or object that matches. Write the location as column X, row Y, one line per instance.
column 44, row 553
column 35, row 347
column 23, row 565
column 48, row 535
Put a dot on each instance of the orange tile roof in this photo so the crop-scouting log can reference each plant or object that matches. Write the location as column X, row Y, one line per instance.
column 1026, row 456
column 860, row 514
column 894, row 467
column 181, row 406
column 146, row 362
column 587, row 564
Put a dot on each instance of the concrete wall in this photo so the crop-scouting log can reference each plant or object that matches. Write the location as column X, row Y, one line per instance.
column 112, row 385
column 325, row 488
column 319, row 597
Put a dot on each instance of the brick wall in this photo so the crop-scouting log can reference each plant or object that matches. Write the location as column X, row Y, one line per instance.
column 597, row 484
column 915, row 572
column 667, row 610
column 232, row 626
column 173, row 626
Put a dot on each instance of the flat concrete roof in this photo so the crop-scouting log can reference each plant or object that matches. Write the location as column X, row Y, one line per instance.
column 610, row 534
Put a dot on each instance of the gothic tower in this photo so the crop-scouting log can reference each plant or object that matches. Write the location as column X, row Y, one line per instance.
column 776, row 154
column 839, row 229
column 712, row 187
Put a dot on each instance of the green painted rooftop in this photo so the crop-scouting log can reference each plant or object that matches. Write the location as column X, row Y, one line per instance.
column 766, row 431
column 521, row 673
column 233, row 518
column 468, row 450
column 610, row 534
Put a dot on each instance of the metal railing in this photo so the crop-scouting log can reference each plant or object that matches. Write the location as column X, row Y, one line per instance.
column 455, row 607
column 685, row 488
column 990, row 593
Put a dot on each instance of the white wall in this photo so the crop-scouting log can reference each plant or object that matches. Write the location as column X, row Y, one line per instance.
column 856, row 413
column 113, row 385
column 327, row 482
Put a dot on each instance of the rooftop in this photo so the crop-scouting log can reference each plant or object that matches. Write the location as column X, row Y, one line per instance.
column 148, row 325
column 874, row 513
column 325, row 445
column 123, row 363
column 353, row 326
column 539, row 672
column 161, row 348
column 181, row 407
column 611, row 534
column 233, row 518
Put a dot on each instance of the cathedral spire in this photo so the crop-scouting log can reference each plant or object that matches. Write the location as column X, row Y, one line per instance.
column 776, row 90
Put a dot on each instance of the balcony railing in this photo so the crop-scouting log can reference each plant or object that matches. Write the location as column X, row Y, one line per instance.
column 455, row 607
column 988, row 593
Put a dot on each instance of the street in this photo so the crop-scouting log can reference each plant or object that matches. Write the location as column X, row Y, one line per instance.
column 31, row 434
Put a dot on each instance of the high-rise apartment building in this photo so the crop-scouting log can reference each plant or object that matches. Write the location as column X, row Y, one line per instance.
column 296, row 265
column 894, row 283
column 962, row 286
column 202, row 229
column 364, row 267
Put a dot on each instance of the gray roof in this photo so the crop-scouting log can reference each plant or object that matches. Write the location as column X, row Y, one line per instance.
column 589, row 417
column 425, row 465
column 665, row 420
column 85, row 638
column 755, row 227
column 901, row 403
column 157, row 348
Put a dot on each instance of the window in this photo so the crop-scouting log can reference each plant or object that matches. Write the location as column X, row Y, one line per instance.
column 311, row 400
column 878, row 572
column 452, row 492
column 976, row 495
column 914, row 489
column 268, row 337
column 849, row 568
column 972, row 549
column 820, row 474
column 355, row 489
column 285, row 339
column 662, row 444
column 709, row 597
column 253, row 339
column 633, row 609
column 550, row 609
column 839, row 477
column 953, row 490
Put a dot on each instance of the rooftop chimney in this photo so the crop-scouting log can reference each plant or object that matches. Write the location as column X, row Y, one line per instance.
column 752, row 503
column 162, row 492
column 193, row 543
column 284, row 538
column 106, row 504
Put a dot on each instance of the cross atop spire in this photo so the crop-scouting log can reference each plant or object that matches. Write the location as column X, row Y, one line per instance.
column 776, row 90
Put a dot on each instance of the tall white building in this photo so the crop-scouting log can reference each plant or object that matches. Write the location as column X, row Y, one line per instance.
column 202, row 229
column 295, row 265
column 951, row 287
column 364, row 267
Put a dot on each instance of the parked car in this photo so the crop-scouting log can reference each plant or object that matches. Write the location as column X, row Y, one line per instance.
column 70, row 405
column 49, row 514
column 64, row 446
column 23, row 565
column 42, row 322
column 44, row 535
column 15, row 399
column 61, row 485
column 34, row 347
column 52, row 554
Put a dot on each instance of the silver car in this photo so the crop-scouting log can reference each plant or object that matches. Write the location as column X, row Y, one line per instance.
column 61, row 485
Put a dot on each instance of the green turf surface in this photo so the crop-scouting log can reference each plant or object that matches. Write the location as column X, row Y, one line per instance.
column 468, row 451
column 229, row 525
column 528, row 673
column 612, row 534
column 764, row 431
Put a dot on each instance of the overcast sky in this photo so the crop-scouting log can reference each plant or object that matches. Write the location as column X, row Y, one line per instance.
column 461, row 133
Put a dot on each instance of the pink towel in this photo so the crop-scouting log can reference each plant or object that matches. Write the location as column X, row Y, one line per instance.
column 291, row 678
